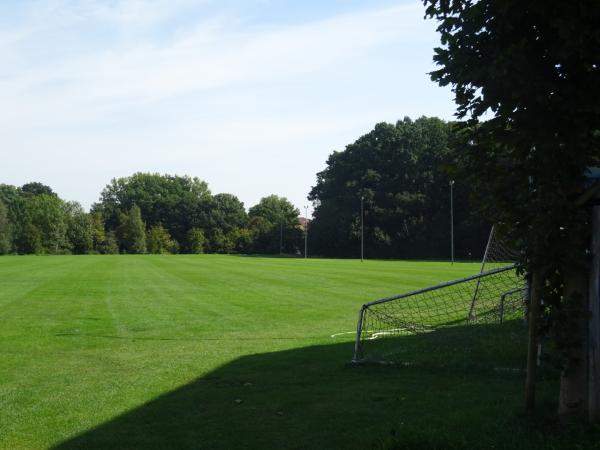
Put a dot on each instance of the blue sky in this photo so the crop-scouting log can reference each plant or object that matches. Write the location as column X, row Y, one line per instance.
column 251, row 96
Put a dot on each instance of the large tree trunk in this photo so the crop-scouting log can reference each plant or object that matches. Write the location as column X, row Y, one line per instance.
column 532, row 347
column 573, row 400
column 594, row 324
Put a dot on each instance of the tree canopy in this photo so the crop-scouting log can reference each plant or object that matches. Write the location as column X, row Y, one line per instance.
column 274, row 222
column 533, row 70
column 176, row 202
column 146, row 212
column 398, row 170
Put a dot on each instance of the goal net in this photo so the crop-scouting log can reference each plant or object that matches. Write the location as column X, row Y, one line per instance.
column 493, row 297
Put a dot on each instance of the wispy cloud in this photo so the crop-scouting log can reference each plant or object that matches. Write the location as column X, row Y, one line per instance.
column 136, row 75
column 214, row 54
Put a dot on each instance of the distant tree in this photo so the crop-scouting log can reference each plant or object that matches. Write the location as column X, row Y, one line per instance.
column 110, row 245
column 104, row 242
column 98, row 231
column 226, row 214
column 29, row 239
column 9, row 195
column 36, row 188
column 158, row 240
column 47, row 214
column 176, row 202
column 398, row 170
column 195, row 241
column 132, row 232
column 11, row 198
column 262, row 232
column 220, row 242
column 5, row 230
column 275, row 224
column 80, row 229
column 241, row 239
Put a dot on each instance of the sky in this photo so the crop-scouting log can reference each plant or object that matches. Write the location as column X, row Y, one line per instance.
column 249, row 95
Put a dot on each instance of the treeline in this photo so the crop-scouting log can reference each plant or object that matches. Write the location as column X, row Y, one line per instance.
column 402, row 173
column 145, row 213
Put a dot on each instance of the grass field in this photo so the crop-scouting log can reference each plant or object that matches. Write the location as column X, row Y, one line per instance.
column 233, row 352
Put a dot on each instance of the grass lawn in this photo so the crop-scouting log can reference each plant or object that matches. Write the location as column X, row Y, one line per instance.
column 234, row 352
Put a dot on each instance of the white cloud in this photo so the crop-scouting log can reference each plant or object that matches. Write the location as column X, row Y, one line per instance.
column 208, row 96
column 211, row 56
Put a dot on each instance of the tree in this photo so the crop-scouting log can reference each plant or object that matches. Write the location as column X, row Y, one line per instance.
column 29, row 240
column 278, row 228
column 397, row 169
column 195, row 241
column 9, row 195
column 220, row 242
column 176, row 202
column 241, row 239
column 37, row 218
column 132, row 232
column 5, row 230
column 226, row 214
column 158, row 240
column 98, row 232
column 11, row 198
column 80, row 230
column 104, row 242
column 534, row 68
column 36, row 188
column 47, row 214
column 110, row 245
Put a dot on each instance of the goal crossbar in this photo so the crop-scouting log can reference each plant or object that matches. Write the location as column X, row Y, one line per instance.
column 477, row 276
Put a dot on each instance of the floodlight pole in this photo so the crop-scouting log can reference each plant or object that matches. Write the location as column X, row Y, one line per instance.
column 305, row 231
column 362, row 229
column 452, row 221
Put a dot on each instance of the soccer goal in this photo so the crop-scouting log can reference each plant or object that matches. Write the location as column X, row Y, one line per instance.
column 493, row 296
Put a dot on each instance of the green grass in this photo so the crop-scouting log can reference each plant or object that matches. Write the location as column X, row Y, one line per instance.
column 236, row 352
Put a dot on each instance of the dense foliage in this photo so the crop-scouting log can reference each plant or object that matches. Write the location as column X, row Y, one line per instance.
column 398, row 170
column 33, row 219
column 145, row 213
column 533, row 69
column 275, row 225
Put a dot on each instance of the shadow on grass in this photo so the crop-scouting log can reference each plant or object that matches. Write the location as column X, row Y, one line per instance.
column 311, row 398
column 500, row 347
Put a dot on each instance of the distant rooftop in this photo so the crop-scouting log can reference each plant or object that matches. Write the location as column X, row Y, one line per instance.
column 303, row 221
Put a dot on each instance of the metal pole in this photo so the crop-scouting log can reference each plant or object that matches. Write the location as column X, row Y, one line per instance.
column 594, row 321
column 362, row 229
column 452, row 221
column 532, row 345
column 306, row 232
column 487, row 248
column 357, row 343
